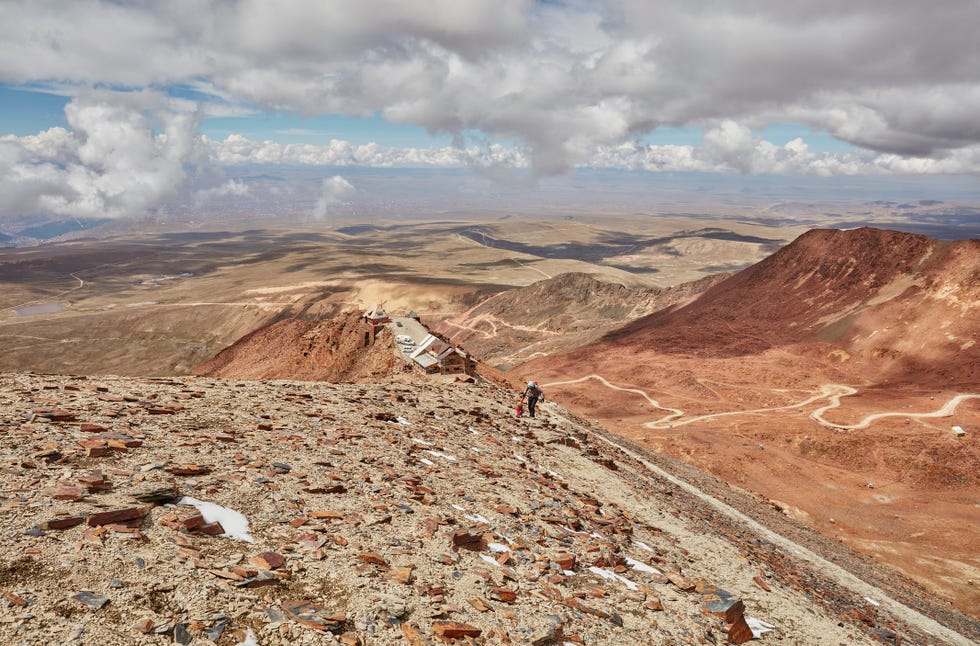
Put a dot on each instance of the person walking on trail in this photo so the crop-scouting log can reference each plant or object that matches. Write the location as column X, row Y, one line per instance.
column 533, row 393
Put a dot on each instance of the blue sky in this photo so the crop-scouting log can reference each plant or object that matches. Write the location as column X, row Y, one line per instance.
column 29, row 111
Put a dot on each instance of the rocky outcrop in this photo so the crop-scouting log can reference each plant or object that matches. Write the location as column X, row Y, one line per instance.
column 319, row 350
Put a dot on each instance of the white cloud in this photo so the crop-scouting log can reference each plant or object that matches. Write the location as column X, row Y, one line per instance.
column 564, row 84
column 231, row 187
column 564, row 79
column 334, row 191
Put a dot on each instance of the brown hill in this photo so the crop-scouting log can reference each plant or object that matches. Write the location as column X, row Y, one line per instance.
column 901, row 301
column 835, row 365
column 560, row 313
column 316, row 350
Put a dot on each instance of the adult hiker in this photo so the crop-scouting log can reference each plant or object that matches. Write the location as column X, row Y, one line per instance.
column 533, row 392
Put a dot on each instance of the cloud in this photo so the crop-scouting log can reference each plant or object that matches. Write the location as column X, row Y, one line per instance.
column 123, row 155
column 544, row 87
column 229, row 188
column 334, row 191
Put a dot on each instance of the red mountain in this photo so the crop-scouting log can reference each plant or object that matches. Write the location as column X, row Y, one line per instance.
column 902, row 301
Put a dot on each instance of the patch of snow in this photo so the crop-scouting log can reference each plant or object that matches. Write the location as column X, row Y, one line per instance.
column 477, row 518
column 872, row 601
column 418, row 440
column 427, row 462
column 642, row 567
column 401, row 420
column 612, row 576
column 758, row 627
column 489, row 559
column 643, row 546
column 234, row 523
column 249, row 639
column 498, row 547
column 439, row 454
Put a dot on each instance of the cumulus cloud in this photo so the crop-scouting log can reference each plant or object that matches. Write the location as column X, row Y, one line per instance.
column 334, row 191
column 122, row 155
column 563, row 84
column 231, row 187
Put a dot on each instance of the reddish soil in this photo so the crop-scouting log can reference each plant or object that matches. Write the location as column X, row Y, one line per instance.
column 893, row 316
column 316, row 350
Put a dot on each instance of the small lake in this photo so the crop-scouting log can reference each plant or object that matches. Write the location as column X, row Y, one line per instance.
column 40, row 308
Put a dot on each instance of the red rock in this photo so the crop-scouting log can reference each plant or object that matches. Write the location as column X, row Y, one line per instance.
column 94, row 480
column 682, row 583
column 311, row 615
column 372, row 557
column 761, row 583
column 654, row 604
column 211, row 529
column 503, row 594
column 144, row 625
column 107, row 517
column 192, row 522
column 267, row 560
column 95, row 448
column 413, row 635
column 188, row 470
column 402, row 574
column 73, row 494
column 64, row 523
column 464, row 539
column 739, row 632
column 91, row 428
column 455, row 629
column 14, row 599
column 565, row 561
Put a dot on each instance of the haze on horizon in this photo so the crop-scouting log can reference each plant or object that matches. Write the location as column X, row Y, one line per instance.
column 128, row 109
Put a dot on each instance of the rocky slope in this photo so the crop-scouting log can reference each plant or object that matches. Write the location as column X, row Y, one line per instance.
column 330, row 349
column 559, row 313
column 839, row 362
column 408, row 512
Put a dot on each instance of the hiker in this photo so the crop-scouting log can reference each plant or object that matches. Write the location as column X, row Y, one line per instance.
column 533, row 392
column 520, row 407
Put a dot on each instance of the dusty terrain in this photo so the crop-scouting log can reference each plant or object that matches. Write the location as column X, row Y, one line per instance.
column 560, row 313
column 827, row 379
column 382, row 514
column 162, row 303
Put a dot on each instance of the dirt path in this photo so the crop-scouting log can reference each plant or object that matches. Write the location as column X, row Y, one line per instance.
column 832, row 392
column 945, row 410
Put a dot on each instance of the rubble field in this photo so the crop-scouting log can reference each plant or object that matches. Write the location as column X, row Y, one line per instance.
column 205, row 511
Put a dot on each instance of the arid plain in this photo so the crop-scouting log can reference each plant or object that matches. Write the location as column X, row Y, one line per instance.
column 904, row 492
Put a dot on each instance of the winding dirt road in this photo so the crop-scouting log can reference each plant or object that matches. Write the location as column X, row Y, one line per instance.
column 831, row 392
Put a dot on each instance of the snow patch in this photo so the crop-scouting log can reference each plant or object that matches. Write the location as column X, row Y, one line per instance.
column 234, row 523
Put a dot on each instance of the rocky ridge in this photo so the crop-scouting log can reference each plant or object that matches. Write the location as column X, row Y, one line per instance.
column 408, row 512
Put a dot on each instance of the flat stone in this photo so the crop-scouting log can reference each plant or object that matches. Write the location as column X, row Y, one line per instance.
column 455, row 629
column 91, row 600
column 723, row 604
column 267, row 560
column 306, row 613
column 119, row 515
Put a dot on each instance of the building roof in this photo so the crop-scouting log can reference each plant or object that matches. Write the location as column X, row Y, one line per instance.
column 376, row 312
column 425, row 360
